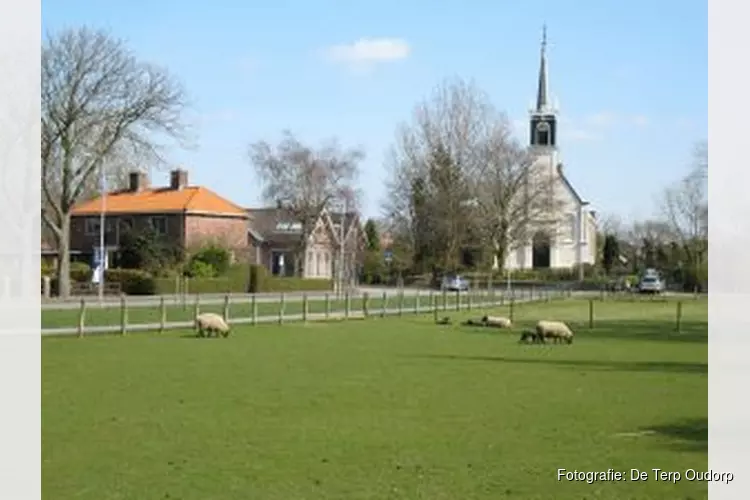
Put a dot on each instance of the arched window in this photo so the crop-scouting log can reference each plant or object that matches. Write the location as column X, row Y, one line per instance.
column 542, row 134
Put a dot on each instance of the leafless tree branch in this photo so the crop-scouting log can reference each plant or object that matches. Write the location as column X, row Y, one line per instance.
column 100, row 105
column 305, row 180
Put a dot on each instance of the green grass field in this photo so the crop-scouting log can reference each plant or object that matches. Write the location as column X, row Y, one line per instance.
column 395, row 408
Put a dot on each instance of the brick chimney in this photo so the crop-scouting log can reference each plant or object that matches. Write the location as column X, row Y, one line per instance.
column 178, row 179
column 138, row 181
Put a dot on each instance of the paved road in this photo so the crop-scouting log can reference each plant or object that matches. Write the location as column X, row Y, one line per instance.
column 218, row 298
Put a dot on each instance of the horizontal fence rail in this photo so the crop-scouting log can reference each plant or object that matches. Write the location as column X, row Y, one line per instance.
column 160, row 313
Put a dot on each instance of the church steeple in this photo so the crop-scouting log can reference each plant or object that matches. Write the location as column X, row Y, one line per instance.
column 541, row 93
column 543, row 119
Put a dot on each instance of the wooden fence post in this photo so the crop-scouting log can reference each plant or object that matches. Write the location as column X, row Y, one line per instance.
column 591, row 313
column 162, row 315
column 400, row 302
column 327, row 305
column 253, row 310
column 458, row 300
column 434, row 305
column 304, row 307
column 282, row 306
column 82, row 318
column 347, row 304
column 512, row 308
column 384, row 305
column 445, row 299
column 225, row 312
column 197, row 306
column 365, row 304
column 679, row 317
column 468, row 299
column 416, row 302
column 123, row 315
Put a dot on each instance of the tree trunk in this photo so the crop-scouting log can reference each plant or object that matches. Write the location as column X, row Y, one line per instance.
column 63, row 255
column 500, row 253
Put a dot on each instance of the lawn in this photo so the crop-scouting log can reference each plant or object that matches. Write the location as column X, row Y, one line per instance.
column 395, row 408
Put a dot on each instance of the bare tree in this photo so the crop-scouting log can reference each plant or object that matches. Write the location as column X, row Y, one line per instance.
column 100, row 104
column 304, row 180
column 611, row 224
column 685, row 208
column 515, row 195
column 428, row 191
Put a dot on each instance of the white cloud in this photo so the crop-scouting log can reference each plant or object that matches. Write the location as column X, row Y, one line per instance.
column 364, row 53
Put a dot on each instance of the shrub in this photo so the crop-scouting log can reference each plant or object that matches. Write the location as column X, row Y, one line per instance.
column 132, row 281
column 80, row 271
column 200, row 269
column 257, row 278
column 47, row 269
column 212, row 255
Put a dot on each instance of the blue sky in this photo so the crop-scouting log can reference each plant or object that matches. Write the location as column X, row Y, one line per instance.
column 630, row 78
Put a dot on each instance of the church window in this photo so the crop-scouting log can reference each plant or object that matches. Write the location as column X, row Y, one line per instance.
column 542, row 134
column 572, row 226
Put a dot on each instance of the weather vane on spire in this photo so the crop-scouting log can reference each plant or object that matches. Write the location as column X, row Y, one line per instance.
column 544, row 36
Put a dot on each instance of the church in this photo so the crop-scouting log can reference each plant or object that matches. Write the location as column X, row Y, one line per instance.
column 573, row 241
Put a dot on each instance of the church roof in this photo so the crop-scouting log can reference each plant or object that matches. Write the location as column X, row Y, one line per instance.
column 568, row 184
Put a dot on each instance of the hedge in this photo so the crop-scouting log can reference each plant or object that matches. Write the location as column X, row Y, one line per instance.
column 243, row 279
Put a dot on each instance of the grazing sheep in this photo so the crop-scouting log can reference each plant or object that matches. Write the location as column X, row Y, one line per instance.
column 556, row 330
column 529, row 337
column 208, row 323
column 497, row 321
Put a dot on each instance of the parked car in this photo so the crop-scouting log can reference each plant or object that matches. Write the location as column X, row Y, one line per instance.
column 454, row 282
column 651, row 284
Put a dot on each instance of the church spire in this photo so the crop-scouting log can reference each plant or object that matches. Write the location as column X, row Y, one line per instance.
column 542, row 103
column 543, row 115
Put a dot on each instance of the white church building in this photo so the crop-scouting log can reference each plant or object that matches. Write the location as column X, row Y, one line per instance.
column 573, row 241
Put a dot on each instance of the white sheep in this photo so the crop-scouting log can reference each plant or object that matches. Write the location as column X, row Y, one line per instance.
column 497, row 322
column 208, row 323
column 556, row 330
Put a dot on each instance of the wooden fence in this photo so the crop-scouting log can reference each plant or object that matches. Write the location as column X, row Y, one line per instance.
column 123, row 318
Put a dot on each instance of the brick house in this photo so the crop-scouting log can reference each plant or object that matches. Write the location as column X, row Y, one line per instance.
column 274, row 236
column 187, row 215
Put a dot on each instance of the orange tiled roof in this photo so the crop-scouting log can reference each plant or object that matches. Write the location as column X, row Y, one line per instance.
column 160, row 200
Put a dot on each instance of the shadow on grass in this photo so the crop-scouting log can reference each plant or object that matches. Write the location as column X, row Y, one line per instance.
column 686, row 435
column 693, row 331
column 632, row 366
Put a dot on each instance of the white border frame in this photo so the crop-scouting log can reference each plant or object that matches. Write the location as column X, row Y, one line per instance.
column 20, row 223
column 729, row 366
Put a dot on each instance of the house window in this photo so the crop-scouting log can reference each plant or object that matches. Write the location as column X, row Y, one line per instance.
column 91, row 226
column 159, row 224
column 318, row 261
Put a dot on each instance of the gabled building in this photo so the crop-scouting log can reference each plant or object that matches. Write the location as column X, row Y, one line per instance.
column 276, row 239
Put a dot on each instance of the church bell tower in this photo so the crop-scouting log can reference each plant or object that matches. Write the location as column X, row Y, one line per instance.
column 543, row 119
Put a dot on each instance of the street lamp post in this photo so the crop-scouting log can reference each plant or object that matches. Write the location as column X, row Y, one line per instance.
column 341, row 246
column 102, row 221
